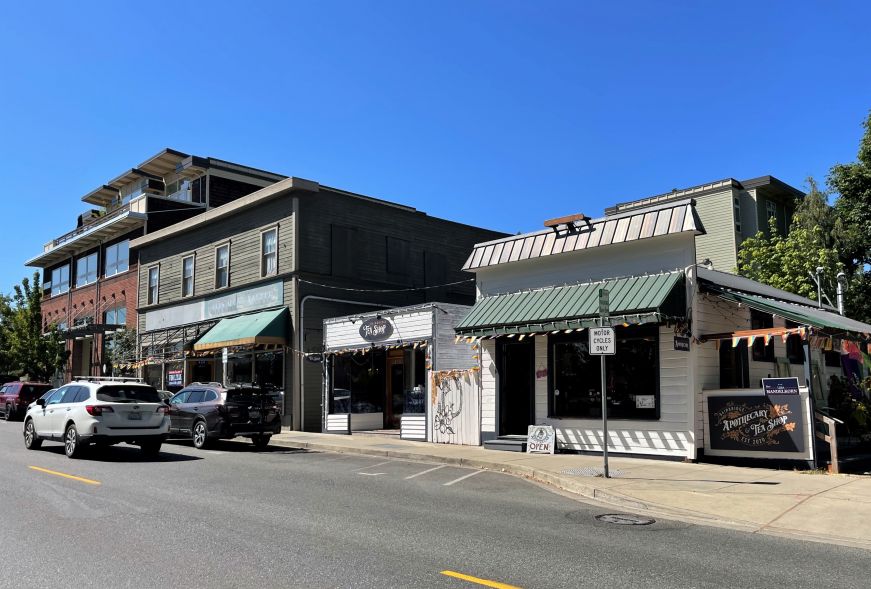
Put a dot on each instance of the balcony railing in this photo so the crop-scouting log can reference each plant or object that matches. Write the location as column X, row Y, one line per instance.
column 120, row 211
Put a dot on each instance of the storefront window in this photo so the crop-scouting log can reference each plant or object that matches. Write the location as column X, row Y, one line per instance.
column 359, row 384
column 153, row 375
column 632, row 378
column 239, row 369
column 269, row 369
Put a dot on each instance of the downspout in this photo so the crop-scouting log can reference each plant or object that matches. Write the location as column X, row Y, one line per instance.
column 300, row 335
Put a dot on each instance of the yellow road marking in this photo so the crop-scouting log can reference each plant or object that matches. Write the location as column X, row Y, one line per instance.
column 66, row 476
column 484, row 582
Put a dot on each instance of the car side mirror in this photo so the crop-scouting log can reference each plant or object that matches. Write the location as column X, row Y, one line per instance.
column 40, row 402
column 166, row 402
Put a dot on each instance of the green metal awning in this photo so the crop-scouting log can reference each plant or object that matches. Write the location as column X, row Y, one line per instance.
column 639, row 299
column 801, row 314
column 266, row 327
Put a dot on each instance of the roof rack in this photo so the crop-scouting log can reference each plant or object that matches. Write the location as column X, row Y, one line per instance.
column 108, row 378
column 207, row 384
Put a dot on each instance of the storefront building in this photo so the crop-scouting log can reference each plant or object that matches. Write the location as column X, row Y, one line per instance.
column 678, row 326
column 402, row 370
column 217, row 282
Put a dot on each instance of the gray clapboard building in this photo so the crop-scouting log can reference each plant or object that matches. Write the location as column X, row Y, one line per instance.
column 239, row 293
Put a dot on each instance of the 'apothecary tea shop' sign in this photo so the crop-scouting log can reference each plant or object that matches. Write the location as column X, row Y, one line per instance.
column 768, row 423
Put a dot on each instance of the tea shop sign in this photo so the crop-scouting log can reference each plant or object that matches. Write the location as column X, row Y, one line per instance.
column 376, row 329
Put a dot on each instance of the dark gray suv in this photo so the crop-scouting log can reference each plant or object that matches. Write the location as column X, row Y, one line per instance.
column 205, row 412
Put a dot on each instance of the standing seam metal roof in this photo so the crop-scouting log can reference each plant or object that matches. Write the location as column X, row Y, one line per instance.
column 650, row 222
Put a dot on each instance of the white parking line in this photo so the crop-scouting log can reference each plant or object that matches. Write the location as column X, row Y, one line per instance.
column 424, row 472
column 462, row 478
column 379, row 464
column 371, row 474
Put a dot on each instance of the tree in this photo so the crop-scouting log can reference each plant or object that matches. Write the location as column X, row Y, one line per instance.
column 852, row 183
column 787, row 262
column 6, row 367
column 120, row 348
column 31, row 352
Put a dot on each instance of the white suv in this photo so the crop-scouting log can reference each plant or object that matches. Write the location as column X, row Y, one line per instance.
column 98, row 410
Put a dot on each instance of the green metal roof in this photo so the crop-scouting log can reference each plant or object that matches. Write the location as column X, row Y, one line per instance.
column 266, row 327
column 639, row 299
column 800, row 314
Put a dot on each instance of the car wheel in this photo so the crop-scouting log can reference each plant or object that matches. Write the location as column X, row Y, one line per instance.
column 7, row 416
column 150, row 449
column 200, row 435
column 72, row 444
column 260, row 442
column 31, row 440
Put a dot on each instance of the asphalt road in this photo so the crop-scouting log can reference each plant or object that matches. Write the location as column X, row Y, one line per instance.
column 233, row 517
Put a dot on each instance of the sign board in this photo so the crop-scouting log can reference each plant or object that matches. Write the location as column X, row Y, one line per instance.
column 604, row 302
column 376, row 329
column 541, row 439
column 645, row 401
column 602, row 341
column 174, row 378
column 314, row 358
column 780, row 386
column 681, row 343
column 760, row 423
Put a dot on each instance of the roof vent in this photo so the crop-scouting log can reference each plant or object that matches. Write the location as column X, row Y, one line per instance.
column 569, row 223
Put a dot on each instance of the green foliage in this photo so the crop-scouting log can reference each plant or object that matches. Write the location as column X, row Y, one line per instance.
column 27, row 350
column 121, row 348
column 787, row 262
column 852, row 183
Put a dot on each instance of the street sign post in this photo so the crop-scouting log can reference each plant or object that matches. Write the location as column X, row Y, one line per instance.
column 603, row 343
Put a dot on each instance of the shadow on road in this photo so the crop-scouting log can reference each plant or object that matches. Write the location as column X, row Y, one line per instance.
column 123, row 453
column 241, row 446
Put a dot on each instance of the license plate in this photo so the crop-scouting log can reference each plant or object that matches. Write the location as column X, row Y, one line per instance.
column 134, row 416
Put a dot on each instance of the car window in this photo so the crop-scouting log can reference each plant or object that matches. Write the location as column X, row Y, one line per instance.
column 3, row 390
column 180, row 397
column 83, row 394
column 196, row 397
column 70, row 394
column 210, row 396
column 56, row 396
column 34, row 389
column 122, row 393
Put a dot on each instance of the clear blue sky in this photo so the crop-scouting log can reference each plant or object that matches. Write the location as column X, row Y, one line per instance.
column 497, row 113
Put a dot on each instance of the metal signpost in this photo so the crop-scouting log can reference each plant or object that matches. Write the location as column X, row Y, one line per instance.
column 603, row 343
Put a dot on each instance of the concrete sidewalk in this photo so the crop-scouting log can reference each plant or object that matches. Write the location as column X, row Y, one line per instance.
column 811, row 506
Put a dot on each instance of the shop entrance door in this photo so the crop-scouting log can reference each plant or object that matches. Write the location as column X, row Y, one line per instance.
column 395, row 402
column 516, row 385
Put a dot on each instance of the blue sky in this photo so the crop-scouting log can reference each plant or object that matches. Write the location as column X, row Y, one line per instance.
column 497, row 113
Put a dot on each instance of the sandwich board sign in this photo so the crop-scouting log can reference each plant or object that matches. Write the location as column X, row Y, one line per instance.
column 541, row 439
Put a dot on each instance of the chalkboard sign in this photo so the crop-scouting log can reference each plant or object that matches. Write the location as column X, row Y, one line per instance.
column 415, row 400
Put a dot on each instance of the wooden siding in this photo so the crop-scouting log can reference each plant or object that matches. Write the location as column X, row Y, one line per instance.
column 488, row 388
column 413, row 427
column 670, row 435
column 242, row 232
column 450, row 355
column 719, row 244
column 407, row 326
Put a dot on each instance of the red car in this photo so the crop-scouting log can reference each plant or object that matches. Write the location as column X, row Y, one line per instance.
column 16, row 396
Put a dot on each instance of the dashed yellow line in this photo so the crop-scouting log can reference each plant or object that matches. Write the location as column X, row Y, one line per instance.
column 66, row 476
column 484, row 582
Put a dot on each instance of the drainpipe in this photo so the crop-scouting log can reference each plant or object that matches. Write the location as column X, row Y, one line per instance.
column 300, row 335
column 842, row 283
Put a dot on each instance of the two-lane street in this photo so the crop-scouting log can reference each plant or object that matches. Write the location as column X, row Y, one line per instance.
column 234, row 517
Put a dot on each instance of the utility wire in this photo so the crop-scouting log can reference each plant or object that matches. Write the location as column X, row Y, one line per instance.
column 387, row 289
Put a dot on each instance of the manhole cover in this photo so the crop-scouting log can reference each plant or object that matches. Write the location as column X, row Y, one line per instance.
column 590, row 471
column 625, row 519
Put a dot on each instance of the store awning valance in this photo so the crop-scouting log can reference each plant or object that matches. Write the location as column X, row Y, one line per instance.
column 801, row 314
column 638, row 299
column 266, row 327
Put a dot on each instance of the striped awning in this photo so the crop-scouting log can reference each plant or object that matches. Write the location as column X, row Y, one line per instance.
column 639, row 299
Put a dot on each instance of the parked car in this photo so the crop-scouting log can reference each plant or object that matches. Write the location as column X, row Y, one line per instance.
column 208, row 411
column 102, row 411
column 16, row 396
